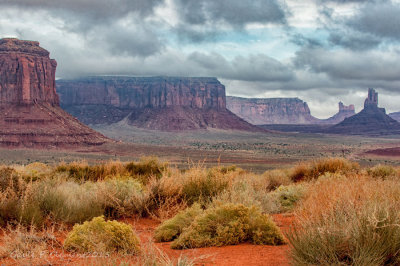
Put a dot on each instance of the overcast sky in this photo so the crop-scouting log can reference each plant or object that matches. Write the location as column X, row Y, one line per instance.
column 321, row 51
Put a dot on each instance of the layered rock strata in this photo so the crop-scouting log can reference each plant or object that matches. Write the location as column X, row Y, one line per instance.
column 271, row 110
column 288, row 111
column 160, row 103
column 29, row 104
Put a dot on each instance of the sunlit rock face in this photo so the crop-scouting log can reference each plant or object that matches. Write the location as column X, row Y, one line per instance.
column 29, row 104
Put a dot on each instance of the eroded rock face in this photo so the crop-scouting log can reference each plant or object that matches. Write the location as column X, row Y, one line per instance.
column 29, row 104
column 372, row 120
column 344, row 112
column 160, row 103
column 288, row 111
column 27, row 73
column 132, row 93
column 271, row 110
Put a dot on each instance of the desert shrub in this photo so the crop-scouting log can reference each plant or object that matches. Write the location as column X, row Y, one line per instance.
column 229, row 224
column 199, row 185
column 119, row 196
column 288, row 196
column 67, row 201
column 276, row 178
column 9, row 203
column 348, row 221
column 245, row 192
column 102, row 236
column 146, row 168
column 81, row 171
column 315, row 169
column 172, row 228
column 35, row 171
column 10, row 179
column 382, row 171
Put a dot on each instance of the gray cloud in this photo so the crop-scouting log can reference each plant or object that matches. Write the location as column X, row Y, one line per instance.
column 379, row 19
column 202, row 20
column 354, row 40
column 100, row 9
column 233, row 12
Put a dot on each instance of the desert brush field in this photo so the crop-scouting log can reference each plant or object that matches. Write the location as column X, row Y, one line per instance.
column 327, row 211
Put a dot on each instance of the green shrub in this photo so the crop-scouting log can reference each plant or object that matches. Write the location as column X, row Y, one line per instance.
column 382, row 171
column 315, row 169
column 288, row 196
column 229, row 224
column 172, row 228
column 102, row 236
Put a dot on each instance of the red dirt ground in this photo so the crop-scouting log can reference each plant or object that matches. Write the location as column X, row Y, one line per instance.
column 393, row 152
column 243, row 254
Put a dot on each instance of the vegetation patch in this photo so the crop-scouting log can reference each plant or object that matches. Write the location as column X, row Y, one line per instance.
column 314, row 169
column 103, row 237
column 172, row 228
column 229, row 224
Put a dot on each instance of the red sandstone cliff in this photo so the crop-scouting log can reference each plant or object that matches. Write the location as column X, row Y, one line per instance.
column 160, row 103
column 29, row 104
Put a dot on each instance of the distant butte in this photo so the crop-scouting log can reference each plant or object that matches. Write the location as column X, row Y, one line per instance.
column 372, row 120
column 29, row 104
column 281, row 111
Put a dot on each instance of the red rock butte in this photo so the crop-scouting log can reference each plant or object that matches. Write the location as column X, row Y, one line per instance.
column 29, row 104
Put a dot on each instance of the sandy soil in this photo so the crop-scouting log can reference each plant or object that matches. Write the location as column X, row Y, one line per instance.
column 243, row 254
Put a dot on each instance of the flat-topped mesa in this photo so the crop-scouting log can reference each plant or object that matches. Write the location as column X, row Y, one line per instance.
column 261, row 111
column 143, row 92
column 157, row 103
column 27, row 74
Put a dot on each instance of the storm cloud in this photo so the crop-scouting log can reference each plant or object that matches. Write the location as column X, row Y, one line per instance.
column 320, row 51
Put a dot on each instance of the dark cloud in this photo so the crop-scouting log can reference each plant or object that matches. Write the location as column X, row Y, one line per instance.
column 379, row 19
column 100, row 9
column 343, row 66
column 203, row 20
column 353, row 40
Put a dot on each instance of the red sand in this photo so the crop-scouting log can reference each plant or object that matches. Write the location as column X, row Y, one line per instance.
column 243, row 254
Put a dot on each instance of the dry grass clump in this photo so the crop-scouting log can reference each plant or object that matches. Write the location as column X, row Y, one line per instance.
column 312, row 170
column 147, row 168
column 81, row 171
column 350, row 221
column 103, row 237
column 27, row 246
column 227, row 224
column 383, row 171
